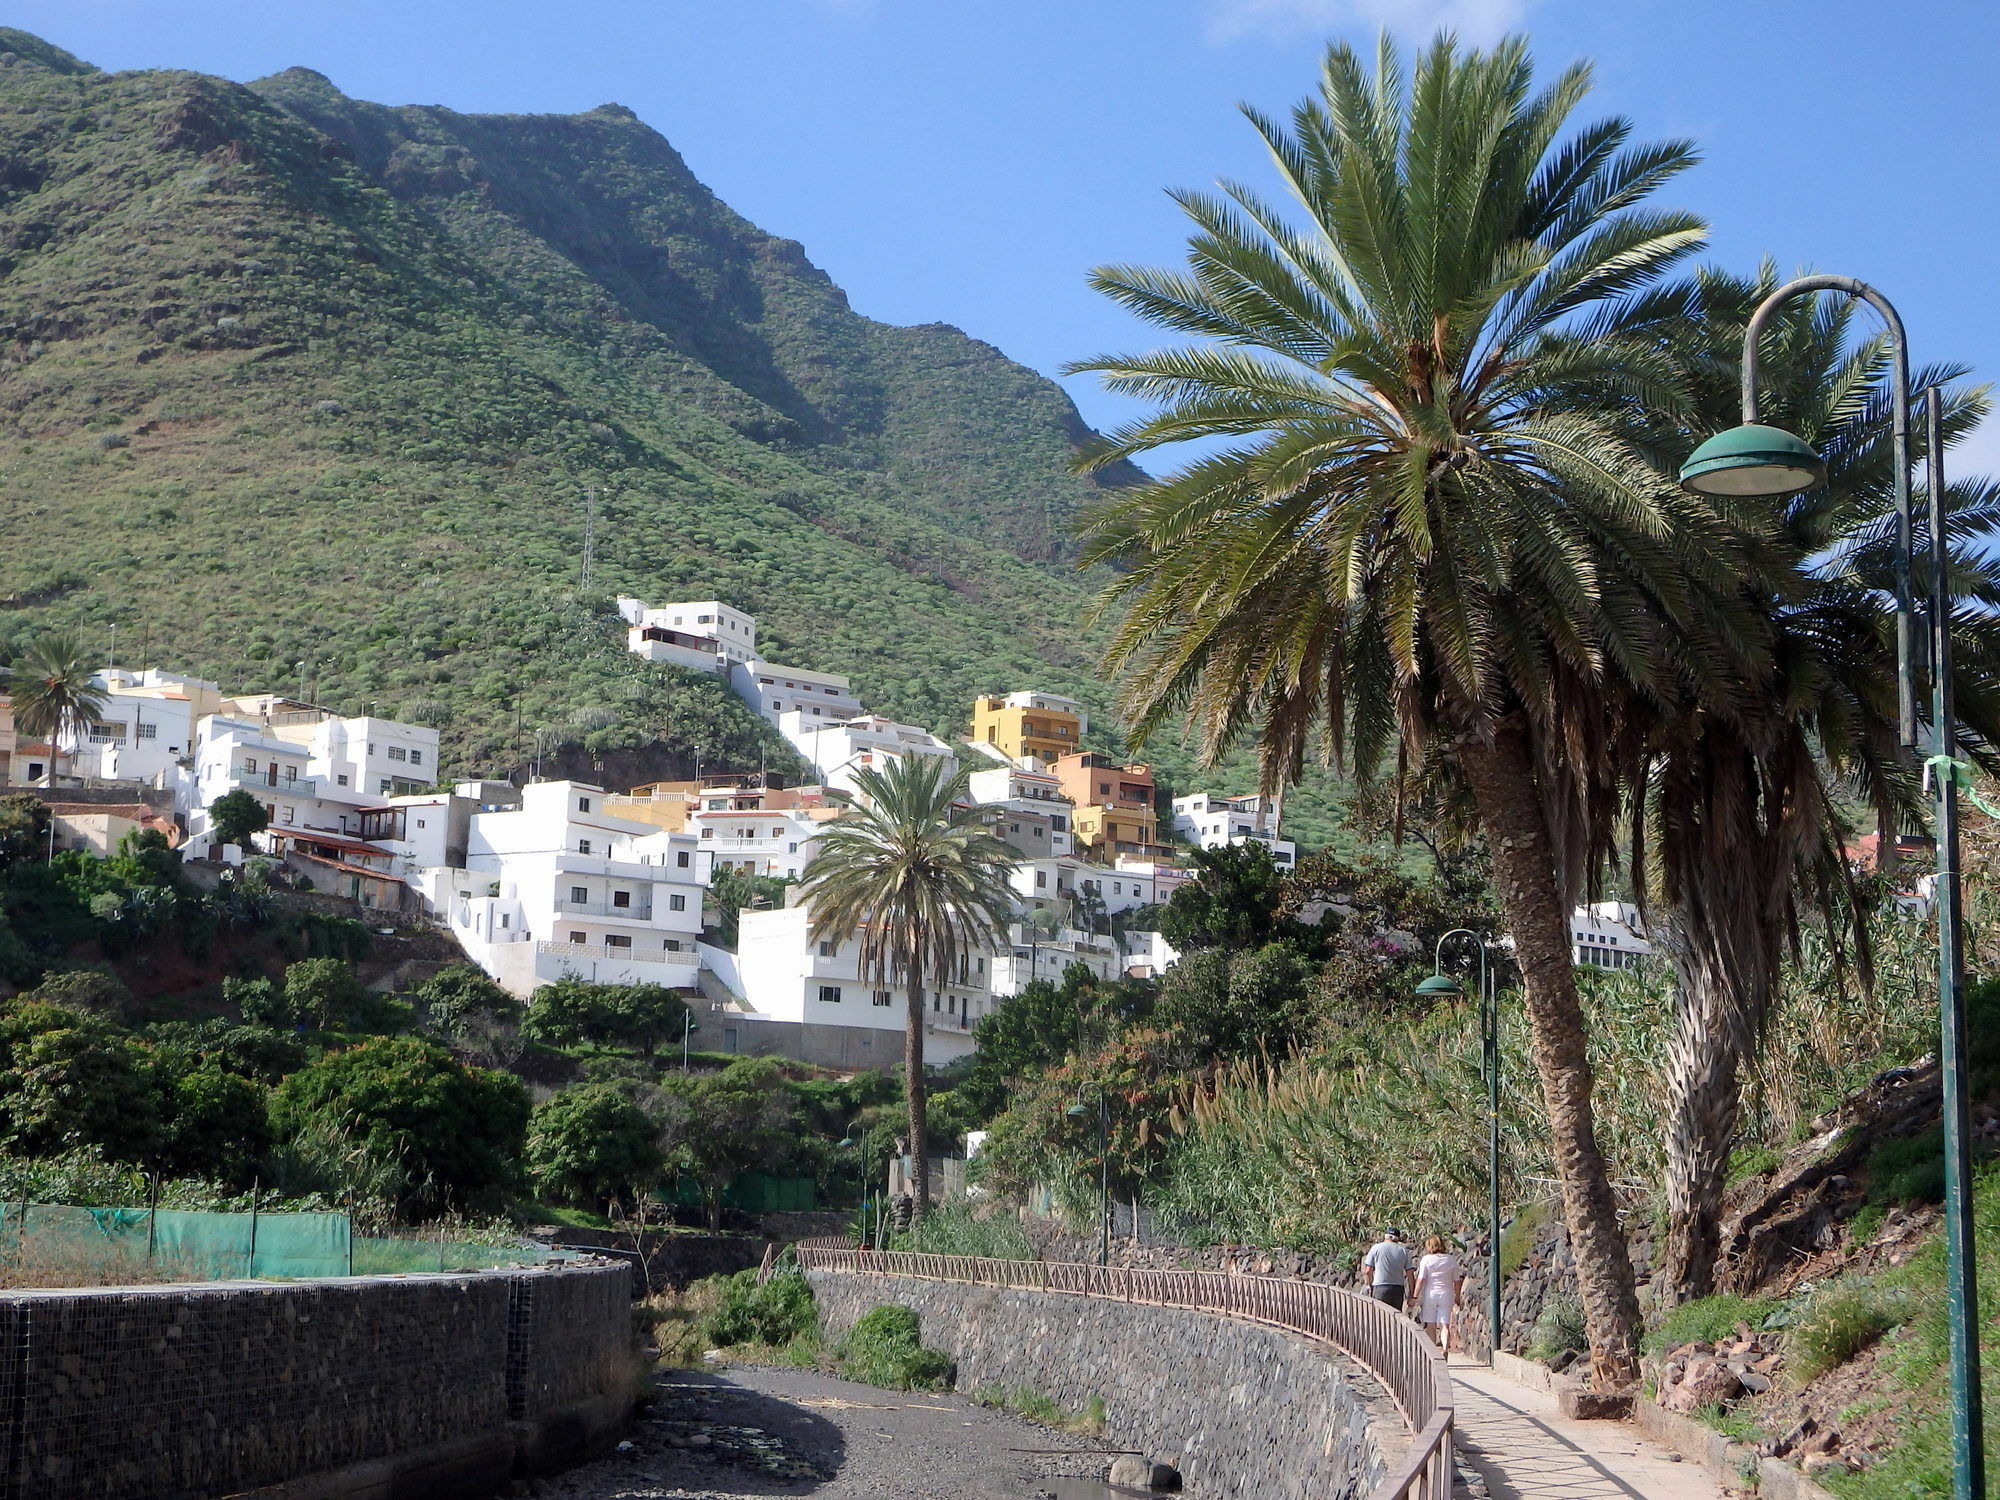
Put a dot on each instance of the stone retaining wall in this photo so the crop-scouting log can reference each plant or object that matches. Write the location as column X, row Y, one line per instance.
column 1240, row 1408
column 440, row 1386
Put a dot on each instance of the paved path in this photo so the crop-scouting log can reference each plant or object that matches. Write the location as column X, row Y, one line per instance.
column 1518, row 1441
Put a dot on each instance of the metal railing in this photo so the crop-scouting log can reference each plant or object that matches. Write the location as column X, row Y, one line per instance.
column 640, row 912
column 1389, row 1345
column 621, row 955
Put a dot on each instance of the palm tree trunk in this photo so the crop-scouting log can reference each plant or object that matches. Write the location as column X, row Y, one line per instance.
column 913, row 1081
column 1706, row 1059
column 1502, row 777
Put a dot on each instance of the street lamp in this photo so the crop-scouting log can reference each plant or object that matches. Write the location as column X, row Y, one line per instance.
column 1078, row 1112
column 1756, row 460
column 688, row 1028
column 1439, row 985
column 861, row 1175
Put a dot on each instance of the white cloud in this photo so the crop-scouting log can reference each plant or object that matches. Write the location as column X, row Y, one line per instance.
column 1475, row 21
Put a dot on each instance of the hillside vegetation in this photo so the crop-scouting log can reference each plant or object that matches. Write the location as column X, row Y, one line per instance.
column 287, row 378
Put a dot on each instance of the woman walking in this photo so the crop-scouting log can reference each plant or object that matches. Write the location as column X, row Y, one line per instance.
column 1439, row 1276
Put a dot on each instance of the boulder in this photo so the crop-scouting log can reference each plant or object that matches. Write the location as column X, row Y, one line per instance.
column 1132, row 1472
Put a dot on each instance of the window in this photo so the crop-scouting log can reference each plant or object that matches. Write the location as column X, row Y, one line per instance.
column 704, row 619
column 506, row 921
column 416, row 757
column 149, row 731
column 829, row 994
column 583, row 846
column 287, row 817
column 341, row 778
column 791, row 848
column 1041, row 833
column 708, row 833
column 371, row 747
column 583, row 804
column 936, row 1003
column 576, row 937
column 420, row 822
column 384, row 787
column 292, row 775
column 579, row 894
column 951, row 1004
column 250, row 766
column 878, row 997
column 677, row 903
column 684, row 859
column 617, row 940
column 672, row 945
column 397, row 752
column 825, row 949
column 621, row 898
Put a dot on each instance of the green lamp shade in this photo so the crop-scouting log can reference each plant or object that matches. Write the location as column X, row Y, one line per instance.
column 1077, row 1110
column 1753, row 460
column 1437, row 984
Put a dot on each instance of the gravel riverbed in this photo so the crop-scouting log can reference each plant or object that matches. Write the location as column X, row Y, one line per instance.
column 754, row 1430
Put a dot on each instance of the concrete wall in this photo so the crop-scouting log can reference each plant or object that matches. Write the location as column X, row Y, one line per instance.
column 377, row 1387
column 1239, row 1407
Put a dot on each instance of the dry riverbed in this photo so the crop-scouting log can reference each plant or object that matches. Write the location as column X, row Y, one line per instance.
column 755, row 1430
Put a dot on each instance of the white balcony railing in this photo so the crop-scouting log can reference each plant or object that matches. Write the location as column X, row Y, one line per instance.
column 635, row 912
column 686, row 959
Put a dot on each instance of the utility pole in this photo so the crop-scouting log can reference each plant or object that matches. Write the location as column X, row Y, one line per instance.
column 589, row 538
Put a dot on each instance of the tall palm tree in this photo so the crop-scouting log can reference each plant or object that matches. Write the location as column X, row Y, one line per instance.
column 1741, row 817
column 1419, row 527
column 914, row 872
column 52, row 690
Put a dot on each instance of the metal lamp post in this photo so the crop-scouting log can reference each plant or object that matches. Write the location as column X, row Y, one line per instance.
column 688, row 1028
column 1438, row 984
column 1756, row 460
column 861, row 1209
column 1078, row 1112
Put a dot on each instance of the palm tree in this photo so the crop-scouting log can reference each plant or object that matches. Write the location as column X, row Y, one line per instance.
column 52, row 690
column 1741, row 820
column 1418, row 526
column 913, row 871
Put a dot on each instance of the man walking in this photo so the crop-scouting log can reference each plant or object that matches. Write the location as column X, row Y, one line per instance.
column 1388, row 1266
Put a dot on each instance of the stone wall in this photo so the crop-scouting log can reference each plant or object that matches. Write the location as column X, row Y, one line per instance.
column 435, row 1385
column 1240, row 1408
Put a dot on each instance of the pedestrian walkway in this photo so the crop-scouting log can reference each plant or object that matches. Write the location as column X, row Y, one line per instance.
column 1518, row 1441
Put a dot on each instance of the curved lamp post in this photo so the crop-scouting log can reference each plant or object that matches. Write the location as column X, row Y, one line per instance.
column 1439, row 985
column 1754, row 459
column 1078, row 1112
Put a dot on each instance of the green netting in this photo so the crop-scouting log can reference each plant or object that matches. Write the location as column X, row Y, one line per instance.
column 753, row 1193
column 176, row 1242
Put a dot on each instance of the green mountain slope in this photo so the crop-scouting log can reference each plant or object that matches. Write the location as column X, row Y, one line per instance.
column 299, row 390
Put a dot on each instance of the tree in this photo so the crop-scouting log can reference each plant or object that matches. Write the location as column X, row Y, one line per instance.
column 1742, row 824
column 456, row 1132
column 567, row 1011
column 713, row 1126
column 915, row 874
column 53, row 690
column 1029, row 1032
column 1219, row 1005
column 732, row 890
column 1232, row 902
column 24, row 829
column 235, row 816
column 1423, row 533
column 590, row 1144
column 69, row 1079
column 457, row 996
column 213, row 1123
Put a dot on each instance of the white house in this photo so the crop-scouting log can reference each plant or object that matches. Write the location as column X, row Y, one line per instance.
column 837, row 748
column 367, row 758
column 1213, row 821
column 1608, row 935
column 772, row 834
column 558, row 887
column 809, row 999
column 733, row 633
column 773, row 691
column 148, row 725
column 233, row 753
column 1034, row 953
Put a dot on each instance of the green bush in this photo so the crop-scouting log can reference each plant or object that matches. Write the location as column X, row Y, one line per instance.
column 1753, row 1161
column 1909, row 1169
column 1558, row 1329
column 1705, row 1320
column 776, row 1312
column 952, row 1230
column 883, row 1348
column 1840, row 1322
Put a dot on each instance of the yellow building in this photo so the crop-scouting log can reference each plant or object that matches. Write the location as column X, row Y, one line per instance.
column 1112, row 831
column 1024, row 724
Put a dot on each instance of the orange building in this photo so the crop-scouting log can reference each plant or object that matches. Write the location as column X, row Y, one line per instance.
column 1115, row 812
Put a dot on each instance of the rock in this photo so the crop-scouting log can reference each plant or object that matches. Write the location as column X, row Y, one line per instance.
column 1821, row 1465
column 1706, row 1383
column 1131, row 1471
column 1594, row 1406
column 1753, row 1382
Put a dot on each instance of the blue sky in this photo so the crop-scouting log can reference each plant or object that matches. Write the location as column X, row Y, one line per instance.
column 965, row 161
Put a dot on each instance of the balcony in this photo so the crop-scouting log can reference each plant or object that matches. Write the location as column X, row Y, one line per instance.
column 641, row 911
column 604, row 952
column 302, row 786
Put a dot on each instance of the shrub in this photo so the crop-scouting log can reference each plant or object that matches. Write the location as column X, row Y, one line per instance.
column 953, row 1230
column 1909, row 1169
column 1841, row 1321
column 883, row 1348
column 1704, row 1320
column 778, row 1311
column 590, row 1144
column 1558, row 1329
column 1753, row 1161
